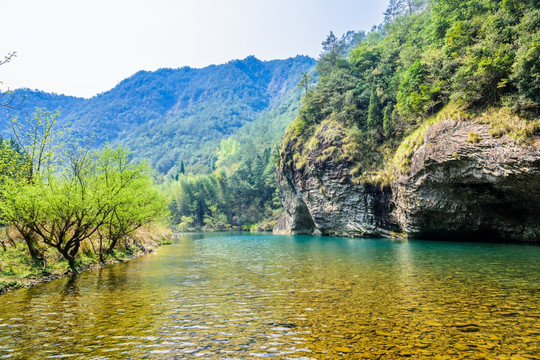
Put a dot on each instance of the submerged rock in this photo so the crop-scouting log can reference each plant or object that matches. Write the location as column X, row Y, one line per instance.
column 485, row 189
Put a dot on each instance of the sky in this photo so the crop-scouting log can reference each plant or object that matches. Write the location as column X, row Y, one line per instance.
column 85, row 47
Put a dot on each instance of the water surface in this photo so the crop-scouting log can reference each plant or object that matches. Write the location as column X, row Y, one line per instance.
column 238, row 296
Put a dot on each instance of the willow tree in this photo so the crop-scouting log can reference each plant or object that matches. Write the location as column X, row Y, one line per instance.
column 36, row 138
column 131, row 197
column 62, row 197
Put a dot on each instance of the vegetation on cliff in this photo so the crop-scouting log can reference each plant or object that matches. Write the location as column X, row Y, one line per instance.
column 430, row 60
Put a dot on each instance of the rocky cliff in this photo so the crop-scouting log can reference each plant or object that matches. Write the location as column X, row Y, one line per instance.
column 320, row 196
column 462, row 184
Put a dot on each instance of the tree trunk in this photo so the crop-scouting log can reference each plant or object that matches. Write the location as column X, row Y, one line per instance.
column 69, row 257
column 31, row 243
column 112, row 245
column 72, row 264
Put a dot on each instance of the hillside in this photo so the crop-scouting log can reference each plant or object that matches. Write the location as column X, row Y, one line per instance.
column 172, row 115
column 428, row 128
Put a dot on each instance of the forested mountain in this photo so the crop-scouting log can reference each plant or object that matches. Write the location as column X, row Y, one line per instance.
column 241, row 191
column 428, row 127
column 210, row 133
column 169, row 115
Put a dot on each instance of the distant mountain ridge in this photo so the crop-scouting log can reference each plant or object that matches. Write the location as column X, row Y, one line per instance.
column 169, row 114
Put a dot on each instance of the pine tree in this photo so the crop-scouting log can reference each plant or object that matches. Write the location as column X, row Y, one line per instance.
column 375, row 116
column 182, row 170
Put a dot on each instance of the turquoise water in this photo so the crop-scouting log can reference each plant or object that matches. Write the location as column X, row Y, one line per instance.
column 236, row 296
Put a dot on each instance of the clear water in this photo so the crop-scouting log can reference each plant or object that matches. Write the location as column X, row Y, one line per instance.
column 231, row 296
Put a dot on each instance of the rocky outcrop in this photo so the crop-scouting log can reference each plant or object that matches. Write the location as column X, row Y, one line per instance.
column 296, row 219
column 330, row 205
column 462, row 184
column 321, row 198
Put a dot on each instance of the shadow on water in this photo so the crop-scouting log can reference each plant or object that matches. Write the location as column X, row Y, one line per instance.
column 71, row 288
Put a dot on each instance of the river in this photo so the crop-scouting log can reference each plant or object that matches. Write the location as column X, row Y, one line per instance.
column 243, row 296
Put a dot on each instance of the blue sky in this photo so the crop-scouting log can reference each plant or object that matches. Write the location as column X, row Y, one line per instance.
column 81, row 48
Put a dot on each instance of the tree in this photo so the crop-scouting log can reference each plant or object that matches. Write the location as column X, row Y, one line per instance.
column 305, row 81
column 399, row 7
column 388, row 121
column 133, row 200
column 332, row 52
column 526, row 70
column 99, row 193
column 330, row 44
column 38, row 137
column 34, row 139
column 215, row 219
column 394, row 9
column 182, row 170
column 7, row 100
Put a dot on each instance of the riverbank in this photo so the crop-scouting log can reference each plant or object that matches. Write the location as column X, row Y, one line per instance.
column 18, row 269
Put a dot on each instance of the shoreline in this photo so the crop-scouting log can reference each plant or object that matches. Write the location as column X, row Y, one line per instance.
column 50, row 277
column 14, row 282
column 34, row 281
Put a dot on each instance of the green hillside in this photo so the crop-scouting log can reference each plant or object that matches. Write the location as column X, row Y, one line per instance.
column 170, row 115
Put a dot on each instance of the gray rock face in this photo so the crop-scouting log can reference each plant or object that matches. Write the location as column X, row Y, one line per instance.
column 296, row 219
column 487, row 190
column 322, row 199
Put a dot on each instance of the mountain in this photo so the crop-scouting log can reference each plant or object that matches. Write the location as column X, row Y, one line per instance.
column 429, row 128
column 170, row 116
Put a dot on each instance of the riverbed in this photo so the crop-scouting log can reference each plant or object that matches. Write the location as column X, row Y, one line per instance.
column 238, row 296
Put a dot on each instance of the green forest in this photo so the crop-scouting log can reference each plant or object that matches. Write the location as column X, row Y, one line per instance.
column 376, row 93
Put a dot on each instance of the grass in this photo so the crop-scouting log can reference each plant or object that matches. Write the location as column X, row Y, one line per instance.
column 474, row 138
column 17, row 269
column 503, row 122
column 401, row 160
column 500, row 120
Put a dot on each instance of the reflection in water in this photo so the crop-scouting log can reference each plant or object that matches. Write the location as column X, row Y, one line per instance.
column 244, row 296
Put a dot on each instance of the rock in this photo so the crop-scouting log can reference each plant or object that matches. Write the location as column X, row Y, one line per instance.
column 469, row 329
column 406, row 353
column 487, row 190
column 296, row 219
column 458, row 190
column 461, row 347
column 321, row 198
column 344, row 349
